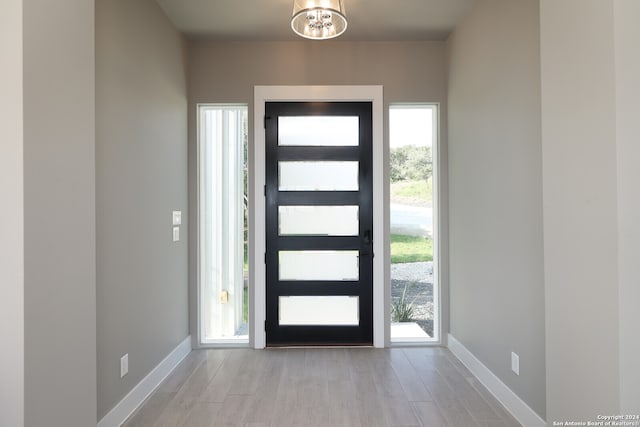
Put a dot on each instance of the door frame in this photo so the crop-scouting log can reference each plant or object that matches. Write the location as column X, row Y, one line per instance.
column 257, row 212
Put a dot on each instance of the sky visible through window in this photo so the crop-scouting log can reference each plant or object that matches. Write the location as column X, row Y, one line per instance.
column 410, row 126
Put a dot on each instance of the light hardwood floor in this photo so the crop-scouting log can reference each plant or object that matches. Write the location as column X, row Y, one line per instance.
column 321, row 387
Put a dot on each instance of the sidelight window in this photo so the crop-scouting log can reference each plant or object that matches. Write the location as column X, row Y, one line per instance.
column 222, row 224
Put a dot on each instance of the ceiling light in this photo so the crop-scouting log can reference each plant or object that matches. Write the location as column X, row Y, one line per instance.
column 318, row 19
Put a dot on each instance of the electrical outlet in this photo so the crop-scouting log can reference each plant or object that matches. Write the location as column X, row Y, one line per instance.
column 124, row 365
column 515, row 363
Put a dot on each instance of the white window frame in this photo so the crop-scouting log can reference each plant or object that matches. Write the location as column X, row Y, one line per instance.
column 257, row 270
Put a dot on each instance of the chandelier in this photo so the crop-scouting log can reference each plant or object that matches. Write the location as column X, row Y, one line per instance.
column 318, row 19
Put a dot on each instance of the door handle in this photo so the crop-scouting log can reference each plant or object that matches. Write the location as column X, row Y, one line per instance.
column 367, row 238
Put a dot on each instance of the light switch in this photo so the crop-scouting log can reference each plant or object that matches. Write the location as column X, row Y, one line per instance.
column 177, row 217
column 176, row 234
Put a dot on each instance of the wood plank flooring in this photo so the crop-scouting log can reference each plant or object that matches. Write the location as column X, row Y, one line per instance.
column 321, row 387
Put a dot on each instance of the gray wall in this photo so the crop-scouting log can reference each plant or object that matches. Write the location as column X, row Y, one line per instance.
column 580, row 215
column 59, row 212
column 227, row 72
column 495, row 177
column 627, row 35
column 590, row 154
column 141, row 176
column 11, row 213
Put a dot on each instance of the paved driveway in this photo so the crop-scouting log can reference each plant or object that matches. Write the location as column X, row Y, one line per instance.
column 411, row 220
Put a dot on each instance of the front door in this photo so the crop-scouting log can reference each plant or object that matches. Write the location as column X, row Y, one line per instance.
column 319, row 222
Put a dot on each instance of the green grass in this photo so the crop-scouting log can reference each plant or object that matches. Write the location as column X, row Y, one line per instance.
column 410, row 249
column 412, row 190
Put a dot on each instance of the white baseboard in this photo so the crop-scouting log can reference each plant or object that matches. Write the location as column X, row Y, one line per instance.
column 119, row 414
column 516, row 406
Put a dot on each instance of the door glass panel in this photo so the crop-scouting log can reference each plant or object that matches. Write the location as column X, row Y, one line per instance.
column 318, row 176
column 319, row 265
column 319, row 310
column 318, row 220
column 318, row 131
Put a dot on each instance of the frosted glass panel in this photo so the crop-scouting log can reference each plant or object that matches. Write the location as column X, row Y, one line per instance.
column 318, row 176
column 319, row 265
column 319, row 131
column 318, row 220
column 321, row 310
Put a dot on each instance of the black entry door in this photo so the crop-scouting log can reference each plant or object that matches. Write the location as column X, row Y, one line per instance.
column 319, row 223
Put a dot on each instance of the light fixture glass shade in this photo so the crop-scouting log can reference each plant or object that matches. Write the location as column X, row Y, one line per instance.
column 318, row 19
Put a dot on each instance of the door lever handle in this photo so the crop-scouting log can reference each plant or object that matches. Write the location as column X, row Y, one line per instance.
column 367, row 237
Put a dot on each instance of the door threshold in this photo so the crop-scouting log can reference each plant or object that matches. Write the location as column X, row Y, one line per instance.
column 317, row 346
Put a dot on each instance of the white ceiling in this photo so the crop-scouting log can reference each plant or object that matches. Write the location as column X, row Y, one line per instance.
column 253, row 20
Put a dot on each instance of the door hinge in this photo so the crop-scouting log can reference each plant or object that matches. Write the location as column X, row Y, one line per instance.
column 265, row 257
column 265, row 326
column 265, row 191
column 265, row 120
